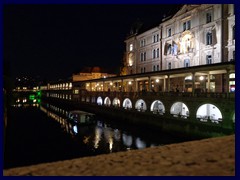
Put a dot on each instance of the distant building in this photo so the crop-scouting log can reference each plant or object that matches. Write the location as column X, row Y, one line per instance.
column 89, row 73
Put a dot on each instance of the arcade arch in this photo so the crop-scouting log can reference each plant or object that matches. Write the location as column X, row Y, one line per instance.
column 141, row 105
column 179, row 109
column 209, row 112
column 127, row 104
column 99, row 101
column 107, row 101
column 157, row 107
column 116, row 102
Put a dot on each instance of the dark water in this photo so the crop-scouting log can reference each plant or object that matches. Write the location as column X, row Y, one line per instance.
column 37, row 134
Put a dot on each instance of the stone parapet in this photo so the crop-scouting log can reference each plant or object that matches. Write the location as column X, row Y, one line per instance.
column 207, row 157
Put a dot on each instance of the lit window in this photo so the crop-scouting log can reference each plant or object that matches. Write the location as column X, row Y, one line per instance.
column 232, row 76
column 131, row 47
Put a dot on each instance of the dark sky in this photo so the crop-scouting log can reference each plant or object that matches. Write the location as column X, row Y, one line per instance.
column 53, row 41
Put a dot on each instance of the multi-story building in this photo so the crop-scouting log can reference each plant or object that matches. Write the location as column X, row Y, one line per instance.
column 196, row 35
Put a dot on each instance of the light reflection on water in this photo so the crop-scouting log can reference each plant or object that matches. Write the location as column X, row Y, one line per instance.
column 99, row 136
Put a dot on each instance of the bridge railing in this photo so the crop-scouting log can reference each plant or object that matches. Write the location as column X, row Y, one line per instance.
column 164, row 94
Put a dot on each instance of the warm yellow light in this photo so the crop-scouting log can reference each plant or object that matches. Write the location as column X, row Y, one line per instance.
column 157, row 80
column 129, row 82
column 201, row 78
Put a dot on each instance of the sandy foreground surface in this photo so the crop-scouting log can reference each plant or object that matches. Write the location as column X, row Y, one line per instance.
column 208, row 157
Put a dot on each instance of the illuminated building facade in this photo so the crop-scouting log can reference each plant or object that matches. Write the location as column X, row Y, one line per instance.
column 195, row 35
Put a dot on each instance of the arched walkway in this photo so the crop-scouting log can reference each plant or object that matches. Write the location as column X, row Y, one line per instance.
column 107, row 101
column 157, row 107
column 127, row 104
column 141, row 105
column 209, row 112
column 179, row 109
column 116, row 102
column 99, row 101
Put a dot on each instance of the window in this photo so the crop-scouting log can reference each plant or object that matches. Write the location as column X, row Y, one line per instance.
column 155, row 38
column 186, row 63
column 169, row 32
column 233, row 55
column 144, row 70
column 157, row 67
column 209, row 38
column 169, row 48
column 209, row 59
column 131, row 47
column 208, row 17
column 157, row 52
column 187, row 25
column 142, row 43
column 233, row 32
column 169, row 65
column 154, row 53
column 154, row 68
column 141, row 57
column 184, row 26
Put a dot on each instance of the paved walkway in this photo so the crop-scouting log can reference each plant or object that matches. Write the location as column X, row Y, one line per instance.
column 208, row 157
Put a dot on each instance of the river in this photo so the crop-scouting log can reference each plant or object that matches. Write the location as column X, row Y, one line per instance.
column 39, row 133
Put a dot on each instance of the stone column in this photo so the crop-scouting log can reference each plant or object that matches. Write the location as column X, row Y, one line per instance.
column 149, row 84
column 208, row 82
column 164, row 84
column 135, row 85
column 227, row 82
column 121, row 85
column 168, row 84
column 193, row 83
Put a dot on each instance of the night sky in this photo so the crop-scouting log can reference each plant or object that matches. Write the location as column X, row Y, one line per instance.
column 55, row 41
